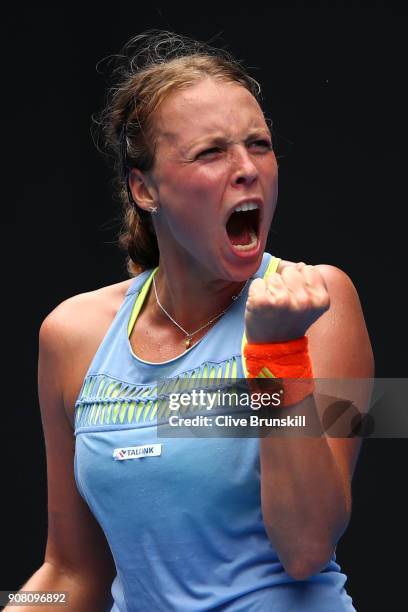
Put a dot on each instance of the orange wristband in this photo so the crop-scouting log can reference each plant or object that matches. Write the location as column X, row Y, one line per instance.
column 288, row 360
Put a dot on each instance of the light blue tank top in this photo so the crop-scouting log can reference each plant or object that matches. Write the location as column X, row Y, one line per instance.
column 184, row 523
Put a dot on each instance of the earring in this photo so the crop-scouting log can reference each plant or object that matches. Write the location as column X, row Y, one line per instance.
column 153, row 209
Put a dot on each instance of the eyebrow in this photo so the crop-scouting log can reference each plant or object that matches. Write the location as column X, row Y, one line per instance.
column 217, row 140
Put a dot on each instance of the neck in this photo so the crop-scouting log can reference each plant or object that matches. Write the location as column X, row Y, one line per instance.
column 192, row 299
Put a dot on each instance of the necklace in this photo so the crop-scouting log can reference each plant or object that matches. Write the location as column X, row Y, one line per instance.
column 189, row 335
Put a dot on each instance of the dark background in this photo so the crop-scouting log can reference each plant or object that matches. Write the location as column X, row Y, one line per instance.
column 334, row 84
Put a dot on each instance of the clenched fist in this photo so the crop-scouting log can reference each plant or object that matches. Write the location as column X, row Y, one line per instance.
column 285, row 305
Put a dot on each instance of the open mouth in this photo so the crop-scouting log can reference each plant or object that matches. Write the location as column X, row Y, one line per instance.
column 242, row 229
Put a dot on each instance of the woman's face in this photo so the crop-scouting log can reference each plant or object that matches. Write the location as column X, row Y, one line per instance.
column 213, row 155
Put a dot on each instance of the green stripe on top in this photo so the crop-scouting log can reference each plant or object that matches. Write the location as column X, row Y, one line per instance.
column 139, row 302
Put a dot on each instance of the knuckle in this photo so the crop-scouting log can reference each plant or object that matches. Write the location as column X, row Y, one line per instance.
column 289, row 271
column 280, row 299
column 274, row 281
column 256, row 289
column 302, row 300
column 317, row 290
column 257, row 282
column 322, row 302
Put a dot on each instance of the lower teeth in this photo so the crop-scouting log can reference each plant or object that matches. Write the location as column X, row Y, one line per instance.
column 251, row 245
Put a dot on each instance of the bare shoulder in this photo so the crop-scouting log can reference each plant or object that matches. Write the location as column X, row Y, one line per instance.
column 71, row 334
column 83, row 315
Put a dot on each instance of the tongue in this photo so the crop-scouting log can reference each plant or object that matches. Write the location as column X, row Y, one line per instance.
column 238, row 231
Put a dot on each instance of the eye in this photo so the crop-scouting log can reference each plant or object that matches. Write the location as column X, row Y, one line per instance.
column 263, row 144
column 208, row 152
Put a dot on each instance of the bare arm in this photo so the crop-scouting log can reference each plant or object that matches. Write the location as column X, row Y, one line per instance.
column 77, row 557
column 306, row 481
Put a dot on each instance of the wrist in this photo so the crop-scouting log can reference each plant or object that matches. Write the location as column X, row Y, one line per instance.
column 288, row 360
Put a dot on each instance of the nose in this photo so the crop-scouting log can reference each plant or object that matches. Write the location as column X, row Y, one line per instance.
column 245, row 171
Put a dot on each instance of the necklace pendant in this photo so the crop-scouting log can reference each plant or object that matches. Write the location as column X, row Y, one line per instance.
column 188, row 341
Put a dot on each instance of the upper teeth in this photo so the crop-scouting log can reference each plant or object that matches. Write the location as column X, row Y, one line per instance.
column 248, row 206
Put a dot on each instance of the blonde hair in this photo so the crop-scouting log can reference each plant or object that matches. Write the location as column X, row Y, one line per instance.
column 150, row 67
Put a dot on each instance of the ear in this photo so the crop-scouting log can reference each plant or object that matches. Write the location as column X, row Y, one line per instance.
column 142, row 189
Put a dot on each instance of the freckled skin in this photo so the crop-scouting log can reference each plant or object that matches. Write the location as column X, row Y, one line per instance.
column 194, row 190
